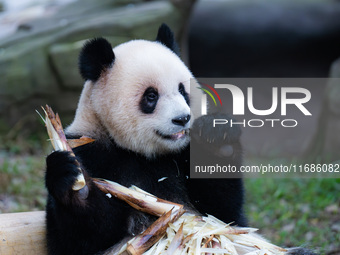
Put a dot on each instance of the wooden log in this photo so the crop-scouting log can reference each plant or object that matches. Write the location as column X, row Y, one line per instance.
column 22, row 233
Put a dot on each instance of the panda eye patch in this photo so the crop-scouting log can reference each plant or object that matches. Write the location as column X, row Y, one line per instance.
column 149, row 100
column 182, row 91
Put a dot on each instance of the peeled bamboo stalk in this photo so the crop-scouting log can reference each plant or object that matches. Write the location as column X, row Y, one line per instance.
column 150, row 236
column 140, row 199
column 59, row 142
column 55, row 130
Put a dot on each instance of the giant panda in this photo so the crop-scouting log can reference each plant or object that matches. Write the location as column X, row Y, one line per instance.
column 136, row 105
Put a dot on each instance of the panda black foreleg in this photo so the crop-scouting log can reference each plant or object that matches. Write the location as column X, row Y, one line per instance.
column 79, row 222
column 223, row 197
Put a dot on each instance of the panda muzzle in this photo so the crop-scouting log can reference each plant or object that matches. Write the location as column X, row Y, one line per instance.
column 175, row 136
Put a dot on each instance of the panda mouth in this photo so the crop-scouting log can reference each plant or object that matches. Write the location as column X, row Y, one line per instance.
column 174, row 136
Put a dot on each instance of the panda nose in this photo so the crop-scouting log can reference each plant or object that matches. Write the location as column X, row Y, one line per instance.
column 181, row 120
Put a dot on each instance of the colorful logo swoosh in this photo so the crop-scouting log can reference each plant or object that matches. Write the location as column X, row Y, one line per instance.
column 210, row 94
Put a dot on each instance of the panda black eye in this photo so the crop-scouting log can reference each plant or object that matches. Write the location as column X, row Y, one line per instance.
column 182, row 91
column 149, row 100
column 152, row 96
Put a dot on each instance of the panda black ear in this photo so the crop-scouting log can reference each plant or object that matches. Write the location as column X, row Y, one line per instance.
column 166, row 37
column 95, row 57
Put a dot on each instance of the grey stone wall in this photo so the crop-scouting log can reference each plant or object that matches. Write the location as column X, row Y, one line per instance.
column 38, row 64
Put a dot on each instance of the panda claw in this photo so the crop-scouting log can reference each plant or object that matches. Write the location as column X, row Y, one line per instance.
column 80, row 182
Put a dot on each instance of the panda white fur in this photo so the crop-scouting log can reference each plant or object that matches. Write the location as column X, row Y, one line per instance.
column 135, row 103
column 112, row 107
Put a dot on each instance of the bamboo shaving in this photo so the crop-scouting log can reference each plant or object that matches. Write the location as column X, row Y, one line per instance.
column 189, row 234
column 208, row 235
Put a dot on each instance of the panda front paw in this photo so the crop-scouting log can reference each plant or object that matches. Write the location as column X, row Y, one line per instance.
column 62, row 171
column 222, row 140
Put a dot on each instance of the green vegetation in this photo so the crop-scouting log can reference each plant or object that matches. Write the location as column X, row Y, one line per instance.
column 22, row 173
column 295, row 212
column 21, row 183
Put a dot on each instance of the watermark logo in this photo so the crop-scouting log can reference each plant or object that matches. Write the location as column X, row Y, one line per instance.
column 239, row 99
column 204, row 97
column 281, row 98
column 277, row 125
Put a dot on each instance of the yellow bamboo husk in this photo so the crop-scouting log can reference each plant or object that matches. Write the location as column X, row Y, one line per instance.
column 59, row 142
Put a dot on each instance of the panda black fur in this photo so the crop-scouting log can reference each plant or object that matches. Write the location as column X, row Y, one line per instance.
column 135, row 103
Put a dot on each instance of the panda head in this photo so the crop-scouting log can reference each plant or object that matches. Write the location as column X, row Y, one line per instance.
column 136, row 94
